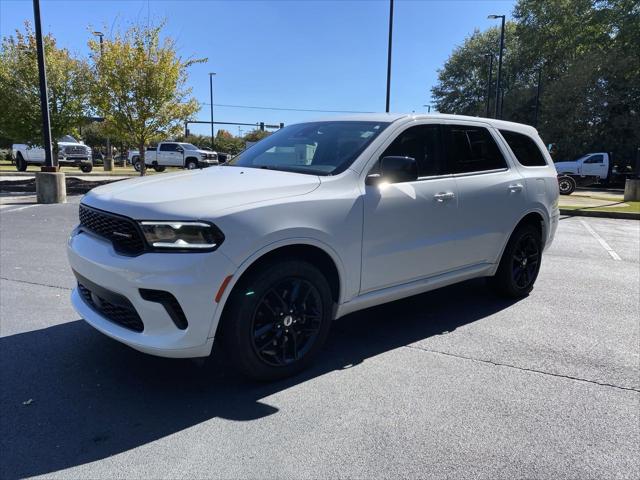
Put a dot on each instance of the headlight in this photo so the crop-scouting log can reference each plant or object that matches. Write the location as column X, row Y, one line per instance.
column 203, row 156
column 176, row 236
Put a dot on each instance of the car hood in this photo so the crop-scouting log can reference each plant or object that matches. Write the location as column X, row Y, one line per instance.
column 197, row 194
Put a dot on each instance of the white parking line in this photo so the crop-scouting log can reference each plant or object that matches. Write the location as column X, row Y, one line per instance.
column 7, row 208
column 601, row 241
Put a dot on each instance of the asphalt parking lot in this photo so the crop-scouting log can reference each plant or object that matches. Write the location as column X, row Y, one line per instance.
column 453, row 383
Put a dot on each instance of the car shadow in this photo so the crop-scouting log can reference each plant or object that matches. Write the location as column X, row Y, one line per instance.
column 71, row 396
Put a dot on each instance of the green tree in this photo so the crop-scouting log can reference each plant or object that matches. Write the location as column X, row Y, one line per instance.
column 256, row 135
column 139, row 86
column 68, row 89
column 587, row 52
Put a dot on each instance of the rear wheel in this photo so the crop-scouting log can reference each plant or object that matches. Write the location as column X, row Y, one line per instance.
column 21, row 164
column 191, row 164
column 136, row 163
column 520, row 263
column 567, row 185
column 277, row 319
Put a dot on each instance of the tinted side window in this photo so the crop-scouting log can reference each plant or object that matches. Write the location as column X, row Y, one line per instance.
column 524, row 148
column 420, row 142
column 168, row 147
column 471, row 149
column 595, row 159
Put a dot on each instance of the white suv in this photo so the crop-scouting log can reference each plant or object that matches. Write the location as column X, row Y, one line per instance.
column 316, row 221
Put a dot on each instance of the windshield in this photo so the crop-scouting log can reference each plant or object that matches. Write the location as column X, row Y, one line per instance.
column 188, row 146
column 68, row 138
column 318, row 148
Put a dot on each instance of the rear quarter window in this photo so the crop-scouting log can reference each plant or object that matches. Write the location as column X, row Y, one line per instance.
column 525, row 149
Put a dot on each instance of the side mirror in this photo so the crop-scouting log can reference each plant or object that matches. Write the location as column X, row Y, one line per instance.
column 180, row 150
column 395, row 170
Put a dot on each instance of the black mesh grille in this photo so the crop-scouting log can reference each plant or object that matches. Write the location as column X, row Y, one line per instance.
column 124, row 314
column 121, row 231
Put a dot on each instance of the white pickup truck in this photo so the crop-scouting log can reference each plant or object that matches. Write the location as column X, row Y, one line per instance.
column 588, row 169
column 174, row 154
column 70, row 152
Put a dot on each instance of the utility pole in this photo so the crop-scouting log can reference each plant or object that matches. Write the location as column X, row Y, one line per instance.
column 489, row 75
column 211, row 75
column 499, row 92
column 389, row 55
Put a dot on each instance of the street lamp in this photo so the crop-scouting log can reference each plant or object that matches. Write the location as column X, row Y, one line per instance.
column 108, row 160
column 428, row 107
column 489, row 56
column 389, row 54
column 211, row 75
column 101, row 35
column 499, row 79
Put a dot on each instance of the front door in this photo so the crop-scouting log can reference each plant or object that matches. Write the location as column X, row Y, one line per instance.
column 169, row 154
column 410, row 228
column 594, row 165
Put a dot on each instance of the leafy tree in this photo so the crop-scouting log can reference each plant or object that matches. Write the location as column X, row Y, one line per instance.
column 68, row 88
column 139, row 86
column 256, row 135
column 587, row 52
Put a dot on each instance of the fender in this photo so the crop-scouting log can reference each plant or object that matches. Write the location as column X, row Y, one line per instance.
column 245, row 264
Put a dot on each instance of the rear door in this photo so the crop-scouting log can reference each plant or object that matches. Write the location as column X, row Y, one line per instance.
column 168, row 154
column 491, row 191
column 409, row 229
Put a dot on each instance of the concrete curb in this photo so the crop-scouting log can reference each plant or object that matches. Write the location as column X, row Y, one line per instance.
column 600, row 214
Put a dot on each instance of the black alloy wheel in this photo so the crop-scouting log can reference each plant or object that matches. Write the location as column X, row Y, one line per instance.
column 286, row 321
column 276, row 319
column 520, row 263
column 524, row 262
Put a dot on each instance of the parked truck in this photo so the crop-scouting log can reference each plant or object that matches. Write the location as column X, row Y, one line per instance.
column 586, row 170
column 70, row 152
column 174, row 154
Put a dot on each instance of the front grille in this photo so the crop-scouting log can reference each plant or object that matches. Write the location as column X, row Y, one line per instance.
column 76, row 150
column 116, row 308
column 121, row 231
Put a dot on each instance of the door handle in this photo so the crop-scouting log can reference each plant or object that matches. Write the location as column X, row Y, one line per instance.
column 516, row 187
column 442, row 196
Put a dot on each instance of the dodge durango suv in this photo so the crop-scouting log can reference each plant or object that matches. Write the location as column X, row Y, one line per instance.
column 316, row 221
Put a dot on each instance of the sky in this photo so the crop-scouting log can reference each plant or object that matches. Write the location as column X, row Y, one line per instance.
column 285, row 54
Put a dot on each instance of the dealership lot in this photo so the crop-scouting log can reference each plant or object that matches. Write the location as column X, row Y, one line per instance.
column 450, row 383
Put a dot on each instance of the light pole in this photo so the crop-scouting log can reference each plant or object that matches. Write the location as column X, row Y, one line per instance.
column 535, row 120
column 107, row 164
column 211, row 75
column 499, row 79
column 428, row 107
column 389, row 54
column 489, row 75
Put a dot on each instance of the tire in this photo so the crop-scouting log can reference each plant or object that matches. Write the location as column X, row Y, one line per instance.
column 520, row 263
column 191, row 164
column 266, row 307
column 21, row 165
column 136, row 163
column 158, row 168
column 566, row 185
column 86, row 167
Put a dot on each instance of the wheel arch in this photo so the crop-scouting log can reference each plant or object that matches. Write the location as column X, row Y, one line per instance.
column 315, row 252
column 188, row 159
column 533, row 217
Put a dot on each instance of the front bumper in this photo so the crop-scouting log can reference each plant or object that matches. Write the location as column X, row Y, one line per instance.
column 192, row 278
column 208, row 162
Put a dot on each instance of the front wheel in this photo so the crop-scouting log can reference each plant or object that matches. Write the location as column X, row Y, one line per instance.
column 86, row 167
column 277, row 319
column 191, row 164
column 520, row 263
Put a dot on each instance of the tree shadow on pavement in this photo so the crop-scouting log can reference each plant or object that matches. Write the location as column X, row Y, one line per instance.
column 71, row 396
